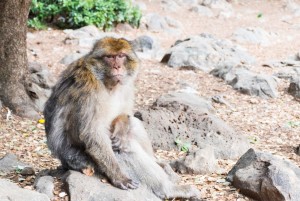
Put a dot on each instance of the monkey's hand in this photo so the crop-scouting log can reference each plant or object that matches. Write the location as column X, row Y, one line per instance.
column 125, row 184
column 119, row 145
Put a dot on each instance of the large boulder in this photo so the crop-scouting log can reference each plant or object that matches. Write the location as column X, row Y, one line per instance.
column 10, row 191
column 202, row 10
column 205, row 52
column 39, row 84
column 254, row 35
column 45, row 184
column 294, row 88
column 265, row 177
column 155, row 181
column 11, row 163
column 250, row 83
column 202, row 161
column 147, row 47
column 247, row 82
column 156, row 23
column 91, row 188
column 188, row 118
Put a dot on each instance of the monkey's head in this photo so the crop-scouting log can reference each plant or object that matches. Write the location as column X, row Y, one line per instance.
column 114, row 61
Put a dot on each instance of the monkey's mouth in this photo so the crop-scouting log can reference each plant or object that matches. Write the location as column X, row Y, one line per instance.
column 117, row 78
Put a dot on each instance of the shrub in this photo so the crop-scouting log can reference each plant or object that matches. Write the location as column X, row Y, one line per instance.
column 77, row 13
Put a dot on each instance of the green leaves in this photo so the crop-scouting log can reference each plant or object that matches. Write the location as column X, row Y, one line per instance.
column 183, row 146
column 259, row 15
column 293, row 124
column 77, row 13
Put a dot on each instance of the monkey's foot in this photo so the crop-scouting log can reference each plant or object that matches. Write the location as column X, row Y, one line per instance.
column 89, row 171
column 126, row 184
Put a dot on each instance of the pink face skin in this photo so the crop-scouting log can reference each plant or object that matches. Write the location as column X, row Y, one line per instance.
column 117, row 64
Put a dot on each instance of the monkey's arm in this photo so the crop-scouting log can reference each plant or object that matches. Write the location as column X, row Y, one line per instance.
column 98, row 146
column 120, row 133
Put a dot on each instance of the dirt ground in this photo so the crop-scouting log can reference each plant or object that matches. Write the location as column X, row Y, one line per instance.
column 272, row 125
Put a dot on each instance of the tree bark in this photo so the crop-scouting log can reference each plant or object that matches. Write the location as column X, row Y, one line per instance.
column 13, row 56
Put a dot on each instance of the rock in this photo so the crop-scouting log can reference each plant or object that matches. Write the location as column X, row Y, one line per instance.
column 221, row 100
column 202, row 161
column 170, row 5
column 294, row 88
column 174, row 100
column 39, row 84
column 223, row 8
column 147, row 47
column 67, row 60
column 84, row 32
column 123, row 27
column 288, row 73
column 204, row 52
column 186, row 117
column 297, row 150
column 85, row 37
column 154, row 182
column 247, row 82
column 87, row 43
column 91, row 188
column 141, row 5
column 27, row 171
column 10, row 191
column 45, row 185
column 250, row 83
column 143, row 43
column 188, row 2
column 157, row 23
column 293, row 7
column 289, row 62
column 254, row 35
column 262, row 176
column 11, row 163
column 227, row 71
column 202, row 10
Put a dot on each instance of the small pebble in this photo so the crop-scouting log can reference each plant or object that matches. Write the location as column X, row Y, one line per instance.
column 62, row 194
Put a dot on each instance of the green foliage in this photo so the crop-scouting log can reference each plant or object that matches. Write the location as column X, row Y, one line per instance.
column 293, row 124
column 183, row 146
column 253, row 139
column 259, row 15
column 77, row 13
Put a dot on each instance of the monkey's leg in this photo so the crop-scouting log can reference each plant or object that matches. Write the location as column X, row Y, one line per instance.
column 75, row 159
column 89, row 171
column 169, row 171
column 102, row 154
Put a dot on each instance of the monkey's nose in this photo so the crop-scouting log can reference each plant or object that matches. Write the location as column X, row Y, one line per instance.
column 117, row 66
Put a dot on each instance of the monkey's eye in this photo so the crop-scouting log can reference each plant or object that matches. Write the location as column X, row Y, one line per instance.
column 109, row 56
column 121, row 55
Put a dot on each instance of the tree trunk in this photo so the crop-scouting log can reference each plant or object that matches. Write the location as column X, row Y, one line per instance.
column 13, row 56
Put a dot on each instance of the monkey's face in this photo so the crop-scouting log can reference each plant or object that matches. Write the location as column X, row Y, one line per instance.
column 118, row 61
column 116, row 64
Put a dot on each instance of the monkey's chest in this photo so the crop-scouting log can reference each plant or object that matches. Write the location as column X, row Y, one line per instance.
column 110, row 106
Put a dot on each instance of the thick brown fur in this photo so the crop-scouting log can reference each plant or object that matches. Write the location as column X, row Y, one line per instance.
column 91, row 92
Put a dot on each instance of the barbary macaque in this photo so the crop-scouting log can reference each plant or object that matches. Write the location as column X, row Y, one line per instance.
column 90, row 125
column 91, row 92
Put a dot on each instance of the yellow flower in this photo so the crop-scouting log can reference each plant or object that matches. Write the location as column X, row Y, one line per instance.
column 41, row 121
